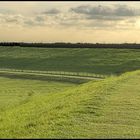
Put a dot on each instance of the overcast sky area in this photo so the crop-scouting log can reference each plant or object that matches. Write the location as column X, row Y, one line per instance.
column 102, row 22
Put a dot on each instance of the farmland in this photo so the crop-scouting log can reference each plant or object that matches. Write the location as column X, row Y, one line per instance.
column 69, row 93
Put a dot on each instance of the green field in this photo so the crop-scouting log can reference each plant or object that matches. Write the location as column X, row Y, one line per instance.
column 98, row 61
column 36, row 106
column 14, row 92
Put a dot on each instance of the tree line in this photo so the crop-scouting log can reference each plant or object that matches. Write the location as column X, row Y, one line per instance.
column 70, row 45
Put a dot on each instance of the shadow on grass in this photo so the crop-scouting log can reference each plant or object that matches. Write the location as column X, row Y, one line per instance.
column 43, row 78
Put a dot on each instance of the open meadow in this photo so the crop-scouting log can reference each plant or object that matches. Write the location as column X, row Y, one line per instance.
column 98, row 61
column 69, row 93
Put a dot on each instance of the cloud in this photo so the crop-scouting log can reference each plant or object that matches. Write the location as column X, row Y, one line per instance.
column 116, row 12
column 39, row 19
column 51, row 11
column 80, row 17
column 5, row 11
column 11, row 19
column 123, row 10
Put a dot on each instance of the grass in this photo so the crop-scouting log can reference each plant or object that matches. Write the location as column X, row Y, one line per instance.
column 97, row 61
column 39, row 106
column 102, row 109
column 47, row 77
column 17, row 91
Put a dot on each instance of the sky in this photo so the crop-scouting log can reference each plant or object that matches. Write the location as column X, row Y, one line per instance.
column 65, row 21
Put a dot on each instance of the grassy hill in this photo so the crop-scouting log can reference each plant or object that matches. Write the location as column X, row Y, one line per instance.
column 104, row 109
column 15, row 91
column 36, row 104
column 98, row 61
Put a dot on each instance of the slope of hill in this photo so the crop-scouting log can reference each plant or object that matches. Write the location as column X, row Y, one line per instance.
column 15, row 91
column 98, row 61
column 102, row 109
